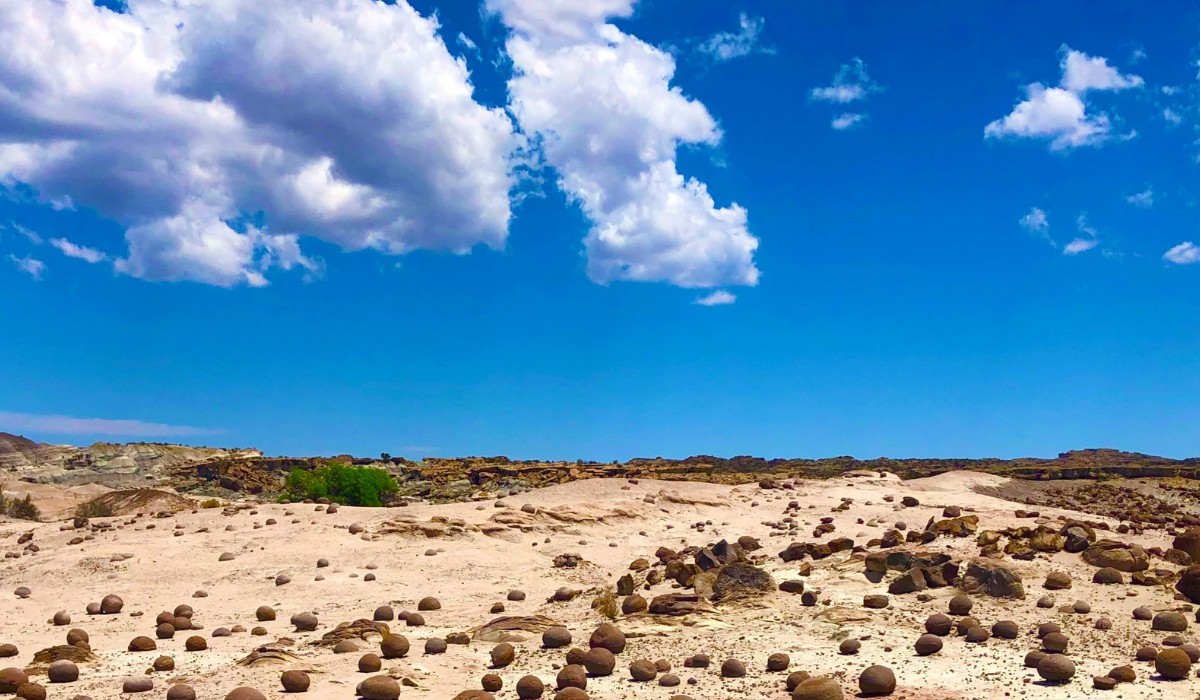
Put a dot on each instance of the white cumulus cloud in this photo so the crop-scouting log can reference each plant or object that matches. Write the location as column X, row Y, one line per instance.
column 1186, row 253
column 1060, row 114
column 71, row 250
column 1081, row 244
column 345, row 120
column 601, row 104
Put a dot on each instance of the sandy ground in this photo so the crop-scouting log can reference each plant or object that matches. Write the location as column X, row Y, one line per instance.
column 614, row 524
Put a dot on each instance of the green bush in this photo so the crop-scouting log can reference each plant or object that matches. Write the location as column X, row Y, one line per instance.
column 352, row 486
column 23, row 509
column 94, row 509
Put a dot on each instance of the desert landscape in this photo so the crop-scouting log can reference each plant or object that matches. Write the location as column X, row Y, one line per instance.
column 958, row 585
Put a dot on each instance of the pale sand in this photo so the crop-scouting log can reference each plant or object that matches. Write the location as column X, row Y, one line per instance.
column 477, row 570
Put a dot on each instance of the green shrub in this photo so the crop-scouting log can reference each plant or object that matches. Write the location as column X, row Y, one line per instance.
column 94, row 509
column 352, row 486
column 23, row 509
column 211, row 503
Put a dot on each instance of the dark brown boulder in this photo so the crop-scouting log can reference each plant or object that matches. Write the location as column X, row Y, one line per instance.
column 1056, row 668
column 1173, row 664
column 928, row 644
column 503, row 654
column 608, row 636
column 877, row 680
column 294, row 681
column 599, row 661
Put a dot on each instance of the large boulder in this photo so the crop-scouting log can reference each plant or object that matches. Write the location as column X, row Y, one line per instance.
column 1117, row 555
column 1189, row 542
column 1189, row 583
column 992, row 578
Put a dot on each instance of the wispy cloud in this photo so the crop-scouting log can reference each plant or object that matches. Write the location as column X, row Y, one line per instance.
column 850, row 84
column 848, row 120
column 69, row 425
column 1037, row 223
column 717, row 298
column 30, row 266
column 80, row 252
column 726, row 46
column 28, row 233
column 1090, row 238
column 1143, row 199
column 1186, row 253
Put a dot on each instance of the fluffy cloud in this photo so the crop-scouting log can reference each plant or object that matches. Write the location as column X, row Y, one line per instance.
column 71, row 250
column 849, row 120
column 1037, row 223
column 1060, row 113
column 366, row 134
column 1186, row 253
column 30, row 266
column 601, row 104
column 850, row 84
column 717, row 298
column 726, row 46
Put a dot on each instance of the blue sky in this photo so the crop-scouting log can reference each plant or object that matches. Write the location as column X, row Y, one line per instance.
column 609, row 230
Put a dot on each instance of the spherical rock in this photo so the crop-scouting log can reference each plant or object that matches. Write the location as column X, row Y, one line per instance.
column 796, row 678
column 1055, row 642
column 393, row 646
column 163, row 663
column 1006, row 629
column 556, row 637
column 11, row 679
column 245, row 693
column 433, row 645
column 1123, row 674
column 571, row 694
column 961, row 604
column 530, row 688
column 165, row 631
column 819, row 688
column 62, row 671
column 633, row 604
column 384, row 613
column 142, row 644
column 429, row 603
column 492, row 683
column 369, row 663
column 1145, row 653
column 599, row 661
column 1173, row 664
column 877, row 680
column 977, row 635
column 76, row 635
column 31, row 691
column 642, row 670
column 503, row 654
column 849, row 646
column 8, row 650
column 571, row 676
column 137, row 684
column 732, row 668
column 264, row 613
column 1103, row 683
column 778, row 662
column 294, row 681
column 939, row 624
column 111, row 604
column 62, row 618
column 195, row 643
column 304, row 622
column 1033, row 658
column 1057, row 581
column 379, row 688
column 180, row 691
column 1056, row 668
column 928, row 644
column 608, row 636
column 1108, row 576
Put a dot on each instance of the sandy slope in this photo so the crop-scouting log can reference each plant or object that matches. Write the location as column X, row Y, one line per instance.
column 472, row 571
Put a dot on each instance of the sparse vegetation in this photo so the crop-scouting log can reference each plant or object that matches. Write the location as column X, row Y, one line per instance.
column 94, row 509
column 210, row 503
column 22, row 509
column 346, row 485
